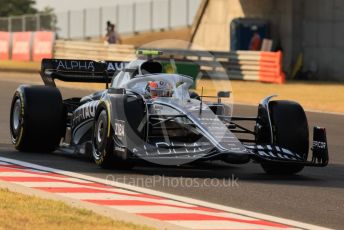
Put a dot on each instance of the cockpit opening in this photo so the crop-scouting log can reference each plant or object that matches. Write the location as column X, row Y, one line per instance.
column 150, row 67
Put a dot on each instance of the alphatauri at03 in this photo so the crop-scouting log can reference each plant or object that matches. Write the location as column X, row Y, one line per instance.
column 148, row 115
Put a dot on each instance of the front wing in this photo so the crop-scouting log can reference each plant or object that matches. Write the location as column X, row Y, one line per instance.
column 258, row 153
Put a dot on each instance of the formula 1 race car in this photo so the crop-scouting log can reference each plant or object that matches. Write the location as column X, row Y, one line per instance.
column 149, row 115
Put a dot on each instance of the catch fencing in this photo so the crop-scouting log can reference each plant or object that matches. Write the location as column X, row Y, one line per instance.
column 91, row 23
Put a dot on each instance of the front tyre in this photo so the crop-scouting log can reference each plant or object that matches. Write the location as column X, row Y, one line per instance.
column 103, row 144
column 290, row 128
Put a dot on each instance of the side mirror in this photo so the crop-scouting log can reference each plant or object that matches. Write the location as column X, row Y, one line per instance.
column 223, row 94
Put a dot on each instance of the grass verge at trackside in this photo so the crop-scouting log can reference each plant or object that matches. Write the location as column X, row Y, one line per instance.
column 18, row 211
column 322, row 96
column 20, row 66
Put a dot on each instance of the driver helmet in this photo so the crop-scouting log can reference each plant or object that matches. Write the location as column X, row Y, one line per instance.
column 159, row 89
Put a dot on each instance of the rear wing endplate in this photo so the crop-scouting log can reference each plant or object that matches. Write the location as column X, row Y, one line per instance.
column 79, row 70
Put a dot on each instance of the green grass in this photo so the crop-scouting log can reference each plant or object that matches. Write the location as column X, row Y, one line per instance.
column 323, row 96
column 18, row 211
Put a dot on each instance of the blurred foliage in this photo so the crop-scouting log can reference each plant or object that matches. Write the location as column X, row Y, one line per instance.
column 44, row 19
column 48, row 19
column 17, row 7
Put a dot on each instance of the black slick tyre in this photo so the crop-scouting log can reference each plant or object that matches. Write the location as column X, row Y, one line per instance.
column 37, row 119
column 290, row 128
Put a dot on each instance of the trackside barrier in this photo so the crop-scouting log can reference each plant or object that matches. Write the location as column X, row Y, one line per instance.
column 26, row 46
column 239, row 65
column 21, row 46
column 93, row 50
column 5, row 45
column 271, row 67
column 42, row 46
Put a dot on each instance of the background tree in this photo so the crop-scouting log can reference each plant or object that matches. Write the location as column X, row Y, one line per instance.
column 17, row 7
column 42, row 20
column 48, row 19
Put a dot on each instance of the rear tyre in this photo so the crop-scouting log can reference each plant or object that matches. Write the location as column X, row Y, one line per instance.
column 37, row 119
column 103, row 144
column 290, row 128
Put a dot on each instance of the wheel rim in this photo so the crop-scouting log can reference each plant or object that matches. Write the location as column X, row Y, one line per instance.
column 99, row 137
column 100, row 132
column 16, row 116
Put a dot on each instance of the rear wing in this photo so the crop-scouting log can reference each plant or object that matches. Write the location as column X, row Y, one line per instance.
column 79, row 70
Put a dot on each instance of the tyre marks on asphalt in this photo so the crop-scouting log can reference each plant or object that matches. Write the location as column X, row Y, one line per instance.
column 159, row 208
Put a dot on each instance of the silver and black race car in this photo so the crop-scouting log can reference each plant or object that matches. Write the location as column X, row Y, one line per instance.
column 147, row 115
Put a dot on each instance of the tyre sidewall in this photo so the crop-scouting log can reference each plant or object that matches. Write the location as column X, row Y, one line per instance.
column 16, row 135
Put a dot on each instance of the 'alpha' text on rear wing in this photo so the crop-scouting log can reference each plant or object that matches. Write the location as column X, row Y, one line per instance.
column 79, row 70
